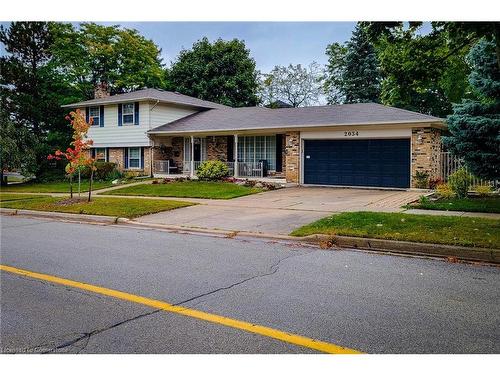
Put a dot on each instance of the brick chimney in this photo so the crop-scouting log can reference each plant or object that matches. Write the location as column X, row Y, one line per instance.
column 101, row 90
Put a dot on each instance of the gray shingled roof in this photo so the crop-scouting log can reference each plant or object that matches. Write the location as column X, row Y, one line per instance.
column 250, row 118
column 150, row 94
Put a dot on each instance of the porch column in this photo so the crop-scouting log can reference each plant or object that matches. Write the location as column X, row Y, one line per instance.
column 191, row 170
column 236, row 155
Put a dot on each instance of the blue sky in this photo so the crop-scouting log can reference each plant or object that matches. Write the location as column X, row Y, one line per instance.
column 270, row 43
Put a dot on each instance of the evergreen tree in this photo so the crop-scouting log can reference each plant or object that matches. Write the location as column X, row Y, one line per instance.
column 222, row 72
column 475, row 124
column 361, row 75
column 353, row 70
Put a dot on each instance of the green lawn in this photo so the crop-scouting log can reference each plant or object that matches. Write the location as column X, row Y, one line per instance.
column 463, row 231
column 4, row 197
column 188, row 189
column 53, row 187
column 488, row 204
column 121, row 207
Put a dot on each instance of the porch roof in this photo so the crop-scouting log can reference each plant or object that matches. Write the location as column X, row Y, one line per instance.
column 260, row 118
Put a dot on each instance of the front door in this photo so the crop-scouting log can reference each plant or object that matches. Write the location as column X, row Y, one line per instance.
column 197, row 152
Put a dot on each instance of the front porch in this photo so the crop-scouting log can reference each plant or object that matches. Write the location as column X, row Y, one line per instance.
column 249, row 156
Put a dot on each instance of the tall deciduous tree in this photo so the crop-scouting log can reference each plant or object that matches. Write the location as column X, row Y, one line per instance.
column 293, row 84
column 31, row 88
column 95, row 54
column 475, row 124
column 222, row 72
column 353, row 70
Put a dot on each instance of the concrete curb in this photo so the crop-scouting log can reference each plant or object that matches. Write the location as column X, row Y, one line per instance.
column 322, row 240
column 405, row 247
column 61, row 215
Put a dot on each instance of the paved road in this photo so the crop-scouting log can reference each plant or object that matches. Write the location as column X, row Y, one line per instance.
column 369, row 302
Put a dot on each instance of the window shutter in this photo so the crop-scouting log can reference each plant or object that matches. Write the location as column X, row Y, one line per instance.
column 101, row 116
column 119, row 115
column 92, row 153
column 136, row 113
column 87, row 114
column 106, row 158
column 125, row 157
column 142, row 158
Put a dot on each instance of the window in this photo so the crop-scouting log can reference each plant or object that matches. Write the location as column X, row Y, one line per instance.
column 128, row 114
column 255, row 148
column 94, row 116
column 134, row 157
column 100, row 154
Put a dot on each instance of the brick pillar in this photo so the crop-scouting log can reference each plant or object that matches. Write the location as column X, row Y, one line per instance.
column 147, row 160
column 425, row 151
column 292, row 157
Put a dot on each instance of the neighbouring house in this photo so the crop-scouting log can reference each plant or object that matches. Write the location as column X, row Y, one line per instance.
column 155, row 132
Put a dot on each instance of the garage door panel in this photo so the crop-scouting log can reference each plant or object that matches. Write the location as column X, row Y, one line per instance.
column 370, row 162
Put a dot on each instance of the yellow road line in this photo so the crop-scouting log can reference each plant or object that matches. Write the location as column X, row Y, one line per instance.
column 217, row 319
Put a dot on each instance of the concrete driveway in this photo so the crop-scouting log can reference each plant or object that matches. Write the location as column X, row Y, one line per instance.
column 281, row 211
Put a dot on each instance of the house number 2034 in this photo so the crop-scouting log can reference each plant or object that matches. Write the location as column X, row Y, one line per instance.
column 351, row 133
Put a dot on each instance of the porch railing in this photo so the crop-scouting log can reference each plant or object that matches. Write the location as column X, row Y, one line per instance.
column 449, row 164
column 161, row 166
column 245, row 169
column 250, row 169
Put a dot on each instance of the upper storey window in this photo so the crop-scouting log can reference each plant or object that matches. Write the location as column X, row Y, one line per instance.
column 128, row 114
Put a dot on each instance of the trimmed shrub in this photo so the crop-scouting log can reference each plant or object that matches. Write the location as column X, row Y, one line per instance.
column 460, row 182
column 104, row 171
column 212, row 170
column 445, row 191
column 421, row 179
column 483, row 190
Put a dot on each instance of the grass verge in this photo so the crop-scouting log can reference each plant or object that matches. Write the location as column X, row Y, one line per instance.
column 449, row 230
column 54, row 187
column 188, row 189
column 487, row 204
column 121, row 207
column 5, row 197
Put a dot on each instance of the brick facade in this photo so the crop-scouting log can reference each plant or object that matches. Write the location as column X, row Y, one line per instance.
column 171, row 148
column 116, row 155
column 425, row 151
column 292, row 157
column 217, row 148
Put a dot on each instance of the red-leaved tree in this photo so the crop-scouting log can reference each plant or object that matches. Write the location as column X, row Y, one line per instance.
column 77, row 154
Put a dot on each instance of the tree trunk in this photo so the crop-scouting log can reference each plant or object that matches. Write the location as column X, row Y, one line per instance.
column 90, row 184
column 71, row 186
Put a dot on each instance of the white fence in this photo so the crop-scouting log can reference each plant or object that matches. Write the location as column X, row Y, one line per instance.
column 449, row 164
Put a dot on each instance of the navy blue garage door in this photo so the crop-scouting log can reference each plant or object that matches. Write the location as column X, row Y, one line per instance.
column 370, row 162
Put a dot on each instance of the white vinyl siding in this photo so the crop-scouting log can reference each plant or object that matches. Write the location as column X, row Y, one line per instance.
column 134, row 158
column 112, row 135
column 162, row 114
column 255, row 148
column 94, row 115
